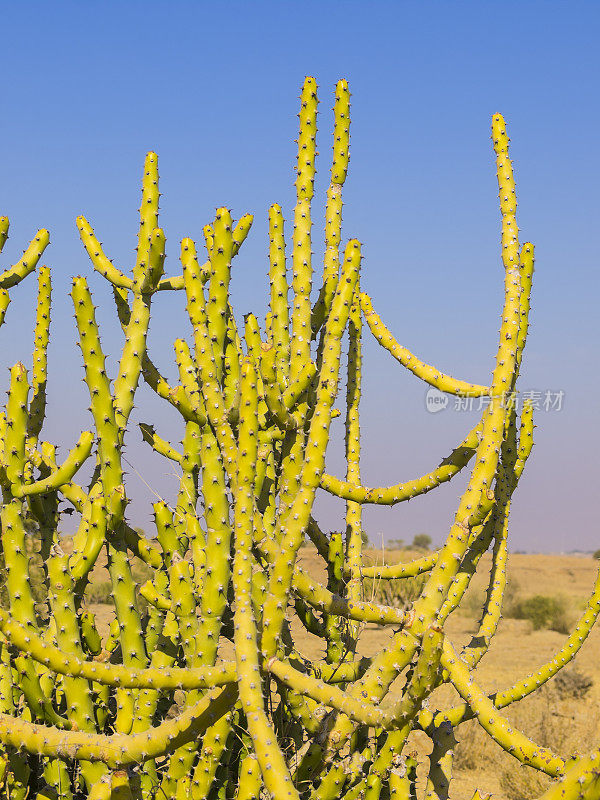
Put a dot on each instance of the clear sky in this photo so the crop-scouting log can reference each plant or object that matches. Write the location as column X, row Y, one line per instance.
column 88, row 88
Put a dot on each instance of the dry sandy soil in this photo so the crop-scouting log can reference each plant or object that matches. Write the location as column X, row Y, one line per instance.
column 564, row 723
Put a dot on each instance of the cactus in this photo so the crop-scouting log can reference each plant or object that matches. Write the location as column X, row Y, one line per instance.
column 204, row 692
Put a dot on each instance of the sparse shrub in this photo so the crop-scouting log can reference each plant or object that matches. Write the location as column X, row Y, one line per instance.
column 596, row 554
column 542, row 719
column 571, row 683
column 543, row 611
column 421, row 541
column 396, row 544
column 398, row 593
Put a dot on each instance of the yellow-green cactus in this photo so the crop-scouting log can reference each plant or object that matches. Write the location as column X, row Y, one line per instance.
column 201, row 688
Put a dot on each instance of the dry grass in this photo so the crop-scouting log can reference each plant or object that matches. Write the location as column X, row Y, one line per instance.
column 564, row 724
column 564, row 715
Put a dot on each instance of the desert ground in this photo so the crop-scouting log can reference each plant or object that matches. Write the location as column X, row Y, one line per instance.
column 563, row 715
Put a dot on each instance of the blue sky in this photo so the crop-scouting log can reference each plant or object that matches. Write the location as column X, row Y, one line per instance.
column 88, row 88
